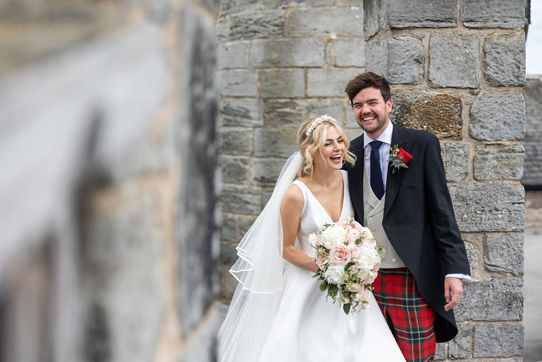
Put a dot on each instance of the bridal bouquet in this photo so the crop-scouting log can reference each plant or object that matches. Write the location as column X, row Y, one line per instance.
column 348, row 259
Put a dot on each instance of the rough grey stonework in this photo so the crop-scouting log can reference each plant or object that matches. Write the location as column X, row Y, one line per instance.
column 441, row 351
column 319, row 22
column 328, row 82
column 401, row 60
column 273, row 4
column 500, row 299
column 454, row 61
column 532, row 167
column 228, row 230
column 275, row 142
column 504, row 253
column 374, row 17
column 264, row 171
column 234, row 169
column 498, row 163
column 242, row 112
column 488, row 207
column 350, row 52
column 240, row 200
column 282, row 83
column 254, row 25
column 459, row 347
column 236, row 141
column 498, row 340
column 495, row 117
column 504, row 59
column 493, row 13
column 232, row 55
column 422, row 13
column 238, row 83
column 235, row 6
column 457, row 158
column 290, row 113
column 287, row 53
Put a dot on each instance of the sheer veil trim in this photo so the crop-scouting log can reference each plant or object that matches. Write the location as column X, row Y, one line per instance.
column 259, row 271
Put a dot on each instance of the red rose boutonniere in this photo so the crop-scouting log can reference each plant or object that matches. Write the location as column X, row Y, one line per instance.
column 398, row 158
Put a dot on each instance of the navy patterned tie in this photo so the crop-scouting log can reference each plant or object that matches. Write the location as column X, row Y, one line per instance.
column 376, row 174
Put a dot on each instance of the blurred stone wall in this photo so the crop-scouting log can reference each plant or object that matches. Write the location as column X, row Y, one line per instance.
column 457, row 69
column 109, row 183
column 532, row 175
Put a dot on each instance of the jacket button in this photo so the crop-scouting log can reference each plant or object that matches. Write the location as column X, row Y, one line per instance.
column 393, row 259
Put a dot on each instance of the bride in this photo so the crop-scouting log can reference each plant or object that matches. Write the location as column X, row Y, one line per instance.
column 278, row 312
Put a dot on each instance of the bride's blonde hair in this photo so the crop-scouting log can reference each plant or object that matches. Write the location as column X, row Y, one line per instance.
column 314, row 141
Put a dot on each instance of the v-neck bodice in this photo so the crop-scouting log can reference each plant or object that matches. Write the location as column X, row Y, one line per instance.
column 314, row 215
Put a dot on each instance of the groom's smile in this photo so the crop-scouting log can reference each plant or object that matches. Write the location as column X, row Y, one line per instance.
column 371, row 111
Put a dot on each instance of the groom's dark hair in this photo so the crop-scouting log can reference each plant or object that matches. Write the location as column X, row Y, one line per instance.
column 368, row 80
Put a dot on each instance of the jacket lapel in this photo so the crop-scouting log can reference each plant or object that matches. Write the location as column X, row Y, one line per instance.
column 394, row 179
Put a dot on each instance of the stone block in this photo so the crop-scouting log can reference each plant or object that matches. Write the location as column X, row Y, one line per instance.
column 227, row 286
column 488, row 207
column 422, row 13
column 245, row 222
column 457, row 162
column 503, row 163
column 349, row 52
column 275, row 142
column 228, row 255
column 326, row 22
column 282, row 83
column 498, row 117
column 222, row 29
column 400, row 60
column 329, row 82
column 498, row 340
column 454, row 61
column 504, row 59
column 279, row 4
column 240, row 200
column 264, row 171
column 438, row 113
column 229, row 228
column 350, row 118
column 266, row 195
column 257, row 24
column 236, row 141
column 287, row 53
column 238, row 83
column 499, row 299
column 504, row 253
column 240, row 112
column 441, row 351
column 280, row 113
column 237, row 6
column 234, row 169
column 472, row 252
column 232, row 55
column 493, row 13
column 532, row 167
column 374, row 17
column 459, row 347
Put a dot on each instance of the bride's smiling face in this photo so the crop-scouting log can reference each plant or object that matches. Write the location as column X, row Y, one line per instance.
column 330, row 155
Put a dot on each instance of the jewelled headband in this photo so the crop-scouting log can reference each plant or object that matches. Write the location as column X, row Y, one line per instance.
column 317, row 121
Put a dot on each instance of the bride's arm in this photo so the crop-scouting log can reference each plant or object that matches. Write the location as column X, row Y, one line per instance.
column 290, row 211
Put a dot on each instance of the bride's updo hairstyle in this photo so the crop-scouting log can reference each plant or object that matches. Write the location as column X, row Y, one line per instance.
column 311, row 137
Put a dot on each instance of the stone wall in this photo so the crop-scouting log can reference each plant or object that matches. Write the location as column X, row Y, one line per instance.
column 457, row 69
column 109, row 191
column 532, row 175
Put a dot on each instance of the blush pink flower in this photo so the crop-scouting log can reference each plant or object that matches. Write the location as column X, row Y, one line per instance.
column 353, row 235
column 340, row 255
column 322, row 260
column 363, row 295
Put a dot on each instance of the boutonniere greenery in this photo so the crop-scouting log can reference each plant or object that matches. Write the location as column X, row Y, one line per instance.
column 398, row 158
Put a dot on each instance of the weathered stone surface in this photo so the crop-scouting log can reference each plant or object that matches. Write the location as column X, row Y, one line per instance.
column 245, row 222
column 457, row 162
column 422, row 13
column 472, row 252
column 438, row 113
column 236, row 141
column 532, row 166
column 322, row 22
column 275, row 142
column 257, row 24
column 441, row 351
column 496, row 300
column 350, row 52
column 275, row 4
column 264, row 171
column 504, row 253
column 232, row 55
column 498, row 340
column 240, row 200
column 459, row 347
column 228, row 255
column 282, row 83
column 504, row 59
column 493, row 13
column 287, row 53
column 488, row 207
column 241, row 112
column 374, row 17
column 238, row 83
column 329, row 82
column 234, row 169
column 495, row 117
column 222, row 29
column 236, row 6
column 498, row 163
column 229, row 227
column 291, row 113
column 454, row 61
column 400, row 60
column 227, row 286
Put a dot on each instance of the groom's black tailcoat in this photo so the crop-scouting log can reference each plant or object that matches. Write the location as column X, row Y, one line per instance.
column 419, row 219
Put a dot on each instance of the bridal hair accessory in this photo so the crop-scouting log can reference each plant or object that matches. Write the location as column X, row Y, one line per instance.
column 317, row 121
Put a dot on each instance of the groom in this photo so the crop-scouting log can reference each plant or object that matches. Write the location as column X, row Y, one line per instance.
column 410, row 212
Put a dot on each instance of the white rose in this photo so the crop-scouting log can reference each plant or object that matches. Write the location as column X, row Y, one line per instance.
column 334, row 274
column 312, row 239
column 333, row 235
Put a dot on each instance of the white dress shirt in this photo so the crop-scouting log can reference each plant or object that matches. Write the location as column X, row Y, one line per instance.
column 384, row 150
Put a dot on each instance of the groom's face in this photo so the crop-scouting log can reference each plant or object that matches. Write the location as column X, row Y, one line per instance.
column 371, row 111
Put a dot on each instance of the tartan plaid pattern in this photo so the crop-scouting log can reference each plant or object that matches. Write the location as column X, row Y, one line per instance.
column 409, row 316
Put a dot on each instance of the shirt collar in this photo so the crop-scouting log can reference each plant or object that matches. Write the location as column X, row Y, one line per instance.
column 385, row 137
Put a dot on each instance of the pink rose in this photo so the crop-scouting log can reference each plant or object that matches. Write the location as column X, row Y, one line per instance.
column 363, row 295
column 354, row 269
column 340, row 255
column 353, row 235
column 341, row 223
column 318, row 240
column 370, row 277
column 356, row 288
column 358, row 226
column 322, row 260
column 355, row 253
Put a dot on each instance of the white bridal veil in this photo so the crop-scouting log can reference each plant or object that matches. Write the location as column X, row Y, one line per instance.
column 259, row 271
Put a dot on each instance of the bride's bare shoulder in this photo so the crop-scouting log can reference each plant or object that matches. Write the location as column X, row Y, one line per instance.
column 293, row 197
